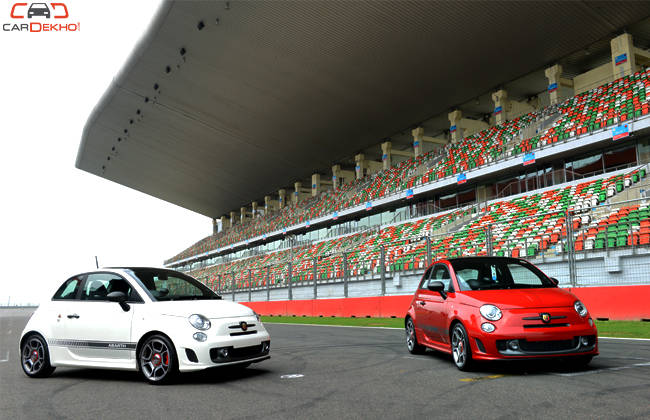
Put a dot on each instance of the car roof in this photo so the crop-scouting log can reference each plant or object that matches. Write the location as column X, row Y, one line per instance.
column 483, row 258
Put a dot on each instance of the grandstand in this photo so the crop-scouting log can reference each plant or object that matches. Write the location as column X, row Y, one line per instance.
column 550, row 165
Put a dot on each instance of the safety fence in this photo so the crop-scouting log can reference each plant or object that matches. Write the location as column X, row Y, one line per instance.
column 587, row 245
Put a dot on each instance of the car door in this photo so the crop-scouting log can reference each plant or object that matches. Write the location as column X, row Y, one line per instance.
column 62, row 304
column 438, row 306
column 99, row 331
column 424, row 302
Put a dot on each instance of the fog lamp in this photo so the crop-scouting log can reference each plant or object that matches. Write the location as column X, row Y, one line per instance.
column 513, row 344
column 584, row 341
column 223, row 353
column 487, row 327
column 199, row 336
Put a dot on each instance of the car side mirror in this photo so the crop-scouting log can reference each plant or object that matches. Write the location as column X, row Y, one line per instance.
column 437, row 286
column 554, row 280
column 119, row 297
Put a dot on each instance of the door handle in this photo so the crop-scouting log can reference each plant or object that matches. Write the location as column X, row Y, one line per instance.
column 75, row 316
column 422, row 302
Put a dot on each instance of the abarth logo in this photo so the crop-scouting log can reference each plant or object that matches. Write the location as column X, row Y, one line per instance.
column 44, row 11
column 546, row 318
column 243, row 325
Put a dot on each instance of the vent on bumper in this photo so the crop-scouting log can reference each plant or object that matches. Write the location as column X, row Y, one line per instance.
column 231, row 354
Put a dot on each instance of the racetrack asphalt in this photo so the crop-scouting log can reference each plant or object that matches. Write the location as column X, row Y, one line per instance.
column 358, row 373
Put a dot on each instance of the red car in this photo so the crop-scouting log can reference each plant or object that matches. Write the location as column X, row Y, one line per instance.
column 496, row 308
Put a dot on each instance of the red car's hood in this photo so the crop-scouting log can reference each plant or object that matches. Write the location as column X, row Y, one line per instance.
column 521, row 298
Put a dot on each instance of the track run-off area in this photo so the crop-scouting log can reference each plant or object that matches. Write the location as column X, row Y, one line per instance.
column 337, row 372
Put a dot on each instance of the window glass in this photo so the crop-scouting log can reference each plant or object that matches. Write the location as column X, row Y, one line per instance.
column 438, row 273
column 68, row 289
column 495, row 273
column 425, row 278
column 99, row 285
column 172, row 285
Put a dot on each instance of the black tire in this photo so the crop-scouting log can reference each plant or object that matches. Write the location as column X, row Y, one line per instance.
column 461, row 351
column 35, row 357
column 157, row 360
column 411, row 338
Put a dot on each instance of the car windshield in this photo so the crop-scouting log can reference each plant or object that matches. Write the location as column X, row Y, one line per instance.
column 164, row 285
column 38, row 6
column 495, row 274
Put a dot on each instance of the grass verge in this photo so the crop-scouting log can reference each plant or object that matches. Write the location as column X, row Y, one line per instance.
column 624, row 329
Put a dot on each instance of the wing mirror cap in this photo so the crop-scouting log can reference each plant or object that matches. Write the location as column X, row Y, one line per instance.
column 116, row 296
column 436, row 286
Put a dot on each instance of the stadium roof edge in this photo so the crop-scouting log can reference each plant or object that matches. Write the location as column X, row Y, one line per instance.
column 116, row 83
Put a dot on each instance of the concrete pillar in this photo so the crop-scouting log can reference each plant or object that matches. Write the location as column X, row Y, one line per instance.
column 500, row 98
column 553, row 74
column 296, row 193
column 215, row 226
column 225, row 222
column 360, row 165
column 282, row 198
column 386, row 155
column 254, row 208
column 418, row 134
column 315, row 185
column 233, row 218
column 339, row 176
column 623, row 59
column 242, row 214
column 455, row 128
column 270, row 204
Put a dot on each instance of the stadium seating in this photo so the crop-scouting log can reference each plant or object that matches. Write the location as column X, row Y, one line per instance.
column 612, row 103
column 524, row 226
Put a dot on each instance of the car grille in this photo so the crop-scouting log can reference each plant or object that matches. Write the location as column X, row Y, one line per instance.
column 544, row 346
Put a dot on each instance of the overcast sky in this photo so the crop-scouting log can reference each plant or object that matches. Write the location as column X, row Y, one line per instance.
column 55, row 218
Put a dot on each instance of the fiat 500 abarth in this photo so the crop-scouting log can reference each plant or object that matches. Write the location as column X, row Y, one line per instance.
column 153, row 320
column 495, row 308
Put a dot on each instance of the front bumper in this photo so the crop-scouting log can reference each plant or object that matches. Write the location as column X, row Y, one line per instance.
column 247, row 348
column 511, row 340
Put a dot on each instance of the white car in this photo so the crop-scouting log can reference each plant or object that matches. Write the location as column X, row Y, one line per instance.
column 153, row 320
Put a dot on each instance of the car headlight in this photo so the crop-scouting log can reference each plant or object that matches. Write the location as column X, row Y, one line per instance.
column 199, row 322
column 491, row 312
column 580, row 308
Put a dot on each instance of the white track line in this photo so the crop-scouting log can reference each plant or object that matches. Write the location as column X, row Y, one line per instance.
column 589, row 372
column 399, row 328
column 623, row 338
column 327, row 325
column 6, row 359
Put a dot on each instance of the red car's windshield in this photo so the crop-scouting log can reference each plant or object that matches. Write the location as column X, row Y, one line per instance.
column 495, row 273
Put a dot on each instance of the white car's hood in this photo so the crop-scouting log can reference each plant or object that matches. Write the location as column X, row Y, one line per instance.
column 207, row 308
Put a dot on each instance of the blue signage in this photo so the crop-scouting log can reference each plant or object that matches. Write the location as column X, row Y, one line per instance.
column 529, row 158
column 620, row 132
column 461, row 178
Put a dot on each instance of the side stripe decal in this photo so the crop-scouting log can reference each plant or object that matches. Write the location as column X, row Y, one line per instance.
column 111, row 345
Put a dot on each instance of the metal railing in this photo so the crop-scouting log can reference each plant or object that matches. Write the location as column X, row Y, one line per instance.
column 575, row 246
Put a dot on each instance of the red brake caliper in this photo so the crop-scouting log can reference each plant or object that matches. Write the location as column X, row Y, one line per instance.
column 155, row 359
column 34, row 355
